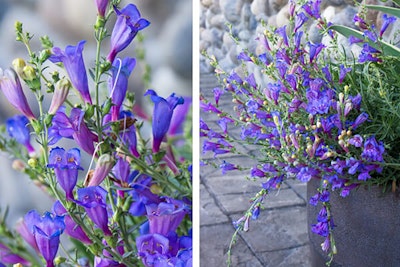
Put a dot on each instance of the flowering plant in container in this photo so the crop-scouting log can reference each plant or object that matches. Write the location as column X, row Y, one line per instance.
column 319, row 111
column 131, row 206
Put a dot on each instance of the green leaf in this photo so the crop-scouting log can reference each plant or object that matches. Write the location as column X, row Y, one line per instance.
column 385, row 9
column 387, row 48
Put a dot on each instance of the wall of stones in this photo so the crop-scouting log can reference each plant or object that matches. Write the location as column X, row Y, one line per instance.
column 245, row 18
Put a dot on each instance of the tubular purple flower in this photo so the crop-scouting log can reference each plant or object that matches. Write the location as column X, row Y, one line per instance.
column 72, row 127
column 66, row 166
column 26, row 234
column 179, row 116
column 101, row 7
column 17, row 128
column 301, row 18
column 162, row 115
column 282, row 32
column 386, row 22
column 152, row 246
column 7, row 257
column 103, row 168
column 360, row 120
column 165, row 217
column 75, row 66
column 315, row 49
column 128, row 24
column 373, row 150
column 12, row 90
column 47, row 230
column 60, row 94
column 71, row 227
column 118, row 83
column 343, row 72
column 93, row 200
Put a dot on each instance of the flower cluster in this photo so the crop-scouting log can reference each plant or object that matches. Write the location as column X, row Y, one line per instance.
column 133, row 207
column 318, row 114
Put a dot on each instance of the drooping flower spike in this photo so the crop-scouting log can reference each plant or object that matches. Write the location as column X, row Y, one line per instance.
column 72, row 59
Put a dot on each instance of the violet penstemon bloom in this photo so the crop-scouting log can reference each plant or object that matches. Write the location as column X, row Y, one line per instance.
column 26, row 234
column 179, row 116
column 93, row 200
column 128, row 24
column 75, row 66
column 152, row 246
column 7, row 257
column 66, row 165
column 386, row 22
column 162, row 115
column 47, row 230
column 101, row 7
column 71, row 227
column 118, row 83
column 165, row 217
column 12, row 89
column 17, row 128
column 72, row 127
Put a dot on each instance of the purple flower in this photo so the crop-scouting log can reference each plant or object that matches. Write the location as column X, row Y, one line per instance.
column 75, row 66
column 128, row 24
column 315, row 49
column 93, row 200
column 306, row 174
column 343, row 73
column 301, row 18
column 359, row 22
column 179, row 116
column 12, row 89
column 386, row 22
column 72, row 127
column 162, row 115
column 273, row 91
column 26, row 234
column 360, row 120
column 129, row 135
column 17, row 128
column 71, row 227
column 371, row 35
column 118, row 83
column 151, row 247
column 373, row 150
column 256, row 172
column 321, row 228
column 7, row 257
column 356, row 140
column 226, row 166
column 243, row 56
column 165, row 217
column 66, row 166
column 354, row 40
column 368, row 53
column 282, row 32
column 46, row 230
column 312, row 8
column 217, row 94
column 101, row 7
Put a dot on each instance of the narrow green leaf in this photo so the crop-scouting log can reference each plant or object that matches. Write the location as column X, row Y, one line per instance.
column 387, row 48
column 385, row 9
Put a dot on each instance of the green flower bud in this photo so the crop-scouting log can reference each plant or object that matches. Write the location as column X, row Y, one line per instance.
column 19, row 65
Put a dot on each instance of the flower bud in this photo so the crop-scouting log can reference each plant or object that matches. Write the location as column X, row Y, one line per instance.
column 18, row 165
column 60, row 94
column 28, row 73
column 103, row 168
column 18, row 65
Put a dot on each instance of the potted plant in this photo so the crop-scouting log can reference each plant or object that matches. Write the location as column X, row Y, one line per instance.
column 326, row 114
column 132, row 205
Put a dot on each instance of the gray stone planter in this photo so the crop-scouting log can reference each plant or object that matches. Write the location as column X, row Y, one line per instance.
column 367, row 229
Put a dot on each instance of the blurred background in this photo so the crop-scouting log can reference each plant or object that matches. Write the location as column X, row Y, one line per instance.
column 168, row 44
